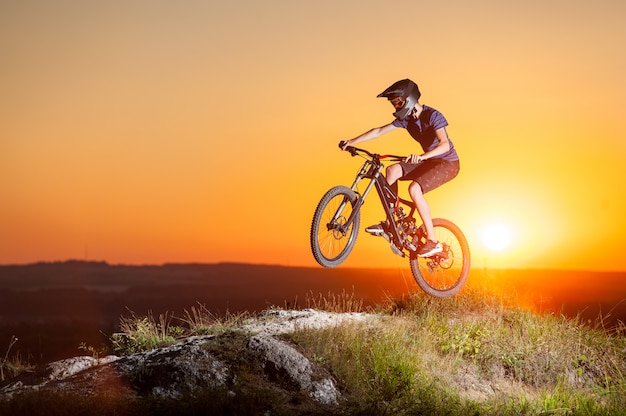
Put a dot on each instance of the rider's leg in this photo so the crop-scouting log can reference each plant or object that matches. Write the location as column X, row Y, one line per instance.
column 423, row 209
column 394, row 172
column 431, row 246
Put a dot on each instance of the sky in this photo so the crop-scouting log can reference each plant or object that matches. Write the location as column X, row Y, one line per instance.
column 148, row 132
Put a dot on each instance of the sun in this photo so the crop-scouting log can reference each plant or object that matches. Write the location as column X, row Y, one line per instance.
column 496, row 237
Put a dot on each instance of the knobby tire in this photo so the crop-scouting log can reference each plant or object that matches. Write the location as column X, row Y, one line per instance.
column 331, row 247
column 443, row 277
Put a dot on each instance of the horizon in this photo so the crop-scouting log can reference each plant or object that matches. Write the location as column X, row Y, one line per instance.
column 313, row 266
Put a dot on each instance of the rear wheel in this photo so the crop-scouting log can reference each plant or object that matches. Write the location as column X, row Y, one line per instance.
column 445, row 273
column 331, row 240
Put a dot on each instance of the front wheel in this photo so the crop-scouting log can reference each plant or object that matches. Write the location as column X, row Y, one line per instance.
column 443, row 274
column 332, row 238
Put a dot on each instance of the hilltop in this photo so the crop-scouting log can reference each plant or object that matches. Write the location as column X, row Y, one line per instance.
column 470, row 354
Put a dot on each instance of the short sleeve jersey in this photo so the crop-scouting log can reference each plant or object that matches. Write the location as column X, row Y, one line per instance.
column 423, row 131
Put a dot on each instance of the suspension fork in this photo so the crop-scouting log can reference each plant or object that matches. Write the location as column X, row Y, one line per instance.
column 368, row 171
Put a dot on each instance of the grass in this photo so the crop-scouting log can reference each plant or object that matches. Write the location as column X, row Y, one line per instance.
column 342, row 302
column 139, row 334
column 13, row 365
column 200, row 321
column 473, row 354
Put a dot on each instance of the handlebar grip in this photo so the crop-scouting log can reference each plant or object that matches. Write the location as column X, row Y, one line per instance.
column 351, row 149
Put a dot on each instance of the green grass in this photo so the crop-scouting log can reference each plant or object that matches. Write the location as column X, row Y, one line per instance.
column 139, row 334
column 473, row 354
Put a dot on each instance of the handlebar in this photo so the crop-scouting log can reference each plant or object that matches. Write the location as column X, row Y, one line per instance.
column 354, row 151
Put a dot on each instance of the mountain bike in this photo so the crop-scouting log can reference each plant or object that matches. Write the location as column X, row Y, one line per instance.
column 337, row 219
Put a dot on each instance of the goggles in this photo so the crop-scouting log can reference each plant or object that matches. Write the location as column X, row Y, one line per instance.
column 397, row 102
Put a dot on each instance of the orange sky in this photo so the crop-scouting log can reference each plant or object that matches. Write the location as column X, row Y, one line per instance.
column 197, row 131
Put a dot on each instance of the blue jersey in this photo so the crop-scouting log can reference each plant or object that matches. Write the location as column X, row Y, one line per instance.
column 423, row 131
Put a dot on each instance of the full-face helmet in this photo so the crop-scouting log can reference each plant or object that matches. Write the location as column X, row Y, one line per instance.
column 403, row 95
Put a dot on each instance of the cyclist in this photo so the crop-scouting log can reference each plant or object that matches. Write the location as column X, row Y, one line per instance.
column 438, row 164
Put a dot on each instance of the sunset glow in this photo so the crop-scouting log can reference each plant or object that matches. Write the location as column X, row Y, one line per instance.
column 156, row 131
column 496, row 237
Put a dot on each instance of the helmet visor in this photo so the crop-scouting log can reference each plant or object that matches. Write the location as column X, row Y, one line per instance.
column 397, row 102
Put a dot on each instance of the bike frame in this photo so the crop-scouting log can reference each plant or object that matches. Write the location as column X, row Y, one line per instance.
column 372, row 170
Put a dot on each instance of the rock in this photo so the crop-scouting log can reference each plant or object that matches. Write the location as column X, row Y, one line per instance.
column 278, row 321
column 284, row 362
column 60, row 370
column 174, row 371
column 168, row 372
column 193, row 366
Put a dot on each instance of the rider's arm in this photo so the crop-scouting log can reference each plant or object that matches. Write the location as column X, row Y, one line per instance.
column 371, row 134
column 442, row 147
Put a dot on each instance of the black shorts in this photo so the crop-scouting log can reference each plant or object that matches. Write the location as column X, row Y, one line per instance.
column 431, row 173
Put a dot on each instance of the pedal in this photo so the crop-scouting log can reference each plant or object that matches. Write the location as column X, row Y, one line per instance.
column 410, row 246
column 376, row 230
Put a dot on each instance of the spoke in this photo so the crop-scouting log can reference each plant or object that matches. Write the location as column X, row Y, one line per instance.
column 443, row 273
column 332, row 240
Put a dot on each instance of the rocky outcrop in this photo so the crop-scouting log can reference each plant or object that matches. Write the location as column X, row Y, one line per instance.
column 283, row 361
column 198, row 364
